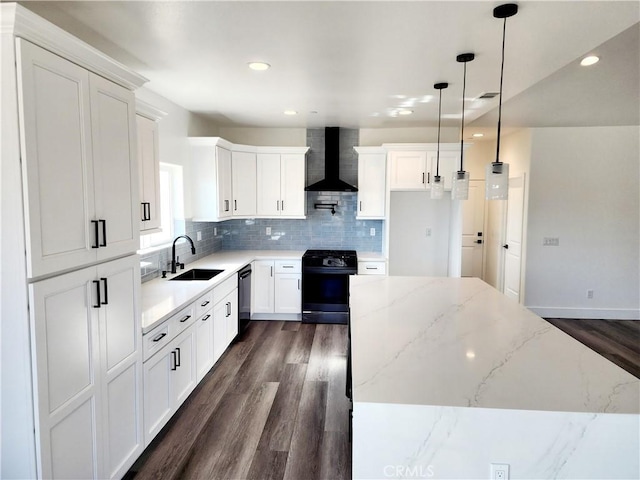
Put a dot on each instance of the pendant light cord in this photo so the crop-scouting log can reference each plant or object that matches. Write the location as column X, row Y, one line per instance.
column 504, row 34
column 439, row 120
column 464, row 87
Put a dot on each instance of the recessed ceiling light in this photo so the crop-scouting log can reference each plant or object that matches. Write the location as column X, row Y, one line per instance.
column 259, row 66
column 590, row 60
column 290, row 112
column 405, row 112
column 478, row 135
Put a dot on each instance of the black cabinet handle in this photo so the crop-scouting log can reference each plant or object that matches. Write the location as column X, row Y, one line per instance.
column 287, row 266
column 228, row 309
column 226, row 205
column 272, row 271
column 371, row 268
column 160, row 337
column 178, row 362
column 429, row 177
column 206, row 317
column 98, row 302
column 235, row 205
column 185, row 319
column 174, row 362
column 106, row 291
column 422, row 177
column 148, row 210
column 360, row 205
column 282, row 204
column 278, row 205
column 478, row 241
column 298, row 284
column 505, row 246
column 95, row 225
column 104, row 233
column 204, row 304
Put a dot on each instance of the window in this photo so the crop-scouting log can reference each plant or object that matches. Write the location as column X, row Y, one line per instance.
column 171, row 209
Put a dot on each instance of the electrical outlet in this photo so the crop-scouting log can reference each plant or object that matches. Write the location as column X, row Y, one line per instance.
column 428, row 232
column 550, row 242
column 268, row 230
column 499, row 471
column 589, row 293
column 198, row 236
column 372, row 232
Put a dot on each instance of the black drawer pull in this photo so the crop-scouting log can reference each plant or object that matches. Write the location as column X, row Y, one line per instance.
column 204, row 304
column 178, row 362
column 185, row 319
column 372, row 268
column 159, row 337
column 206, row 317
column 228, row 309
column 287, row 266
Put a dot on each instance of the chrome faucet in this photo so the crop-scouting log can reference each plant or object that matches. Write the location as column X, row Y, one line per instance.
column 173, row 251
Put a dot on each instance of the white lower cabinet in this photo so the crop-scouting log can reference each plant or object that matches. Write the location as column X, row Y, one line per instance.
column 179, row 352
column 276, row 289
column 87, row 356
column 169, row 378
column 372, row 267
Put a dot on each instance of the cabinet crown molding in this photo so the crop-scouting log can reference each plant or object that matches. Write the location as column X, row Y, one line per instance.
column 221, row 142
column 20, row 22
column 444, row 147
column 147, row 110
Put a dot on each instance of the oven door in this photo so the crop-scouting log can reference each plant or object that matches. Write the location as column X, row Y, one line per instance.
column 325, row 292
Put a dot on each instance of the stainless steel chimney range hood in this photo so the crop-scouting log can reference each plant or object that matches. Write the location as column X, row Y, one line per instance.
column 331, row 181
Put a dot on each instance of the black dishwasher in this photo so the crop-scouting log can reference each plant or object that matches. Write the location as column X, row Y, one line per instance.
column 244, row 298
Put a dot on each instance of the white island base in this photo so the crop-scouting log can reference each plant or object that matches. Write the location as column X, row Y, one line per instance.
column 450, row 376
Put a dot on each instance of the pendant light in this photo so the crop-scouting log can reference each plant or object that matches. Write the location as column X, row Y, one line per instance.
column 497, row 173
column 460, row 185
column 437, row 187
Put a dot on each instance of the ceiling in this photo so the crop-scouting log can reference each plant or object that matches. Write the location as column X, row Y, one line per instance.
column 356, row 64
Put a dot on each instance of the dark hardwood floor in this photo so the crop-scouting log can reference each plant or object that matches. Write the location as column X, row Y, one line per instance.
column 273, row 407
column 616, row 340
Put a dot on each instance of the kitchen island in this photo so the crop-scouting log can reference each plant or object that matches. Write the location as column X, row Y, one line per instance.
column 449, row 376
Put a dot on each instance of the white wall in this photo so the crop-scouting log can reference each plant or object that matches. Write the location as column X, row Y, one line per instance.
column 584, row 189
column 411, row 252
column 374, row 137
column 277, row 137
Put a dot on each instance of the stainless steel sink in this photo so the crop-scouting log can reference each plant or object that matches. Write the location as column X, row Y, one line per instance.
column 198, row 274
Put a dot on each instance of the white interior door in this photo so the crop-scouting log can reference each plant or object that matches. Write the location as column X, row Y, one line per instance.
column 513, row 238
column 473, row 230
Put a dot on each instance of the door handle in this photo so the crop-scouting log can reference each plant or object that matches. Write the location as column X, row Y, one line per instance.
column 174, row 363
column 97, row 234
column 104, row 233
column 106, row 291
column 98, row 302
column 506, row 246
column 178, row 360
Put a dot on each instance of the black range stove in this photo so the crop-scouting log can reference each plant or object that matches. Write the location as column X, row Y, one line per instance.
column 325, row 285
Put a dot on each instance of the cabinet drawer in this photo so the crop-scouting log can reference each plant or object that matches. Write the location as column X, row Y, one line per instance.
column 372, row 268
column 181, row 320
column 225, row 288
column 204, row 303
column 288, row 266
column 154, row 340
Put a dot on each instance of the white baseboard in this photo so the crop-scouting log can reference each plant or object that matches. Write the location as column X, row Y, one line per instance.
column 590, row 313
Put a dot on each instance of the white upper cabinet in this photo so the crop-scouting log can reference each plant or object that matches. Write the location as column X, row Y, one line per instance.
column 79, row 164
column 115, row 167
column 413, row 166
column 372, row 174
column 243, row 179
column 280, row 184
column 148, row 166
column 211, row 179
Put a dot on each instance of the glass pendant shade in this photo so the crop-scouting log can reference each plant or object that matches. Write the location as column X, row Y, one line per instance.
column 460, row 186
column 497, row 181
column 437, row 188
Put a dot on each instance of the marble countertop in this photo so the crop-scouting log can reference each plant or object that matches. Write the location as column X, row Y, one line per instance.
column 459, row 342
column 162, row 298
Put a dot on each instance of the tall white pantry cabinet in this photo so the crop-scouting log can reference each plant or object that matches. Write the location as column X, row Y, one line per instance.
column 73, row 334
